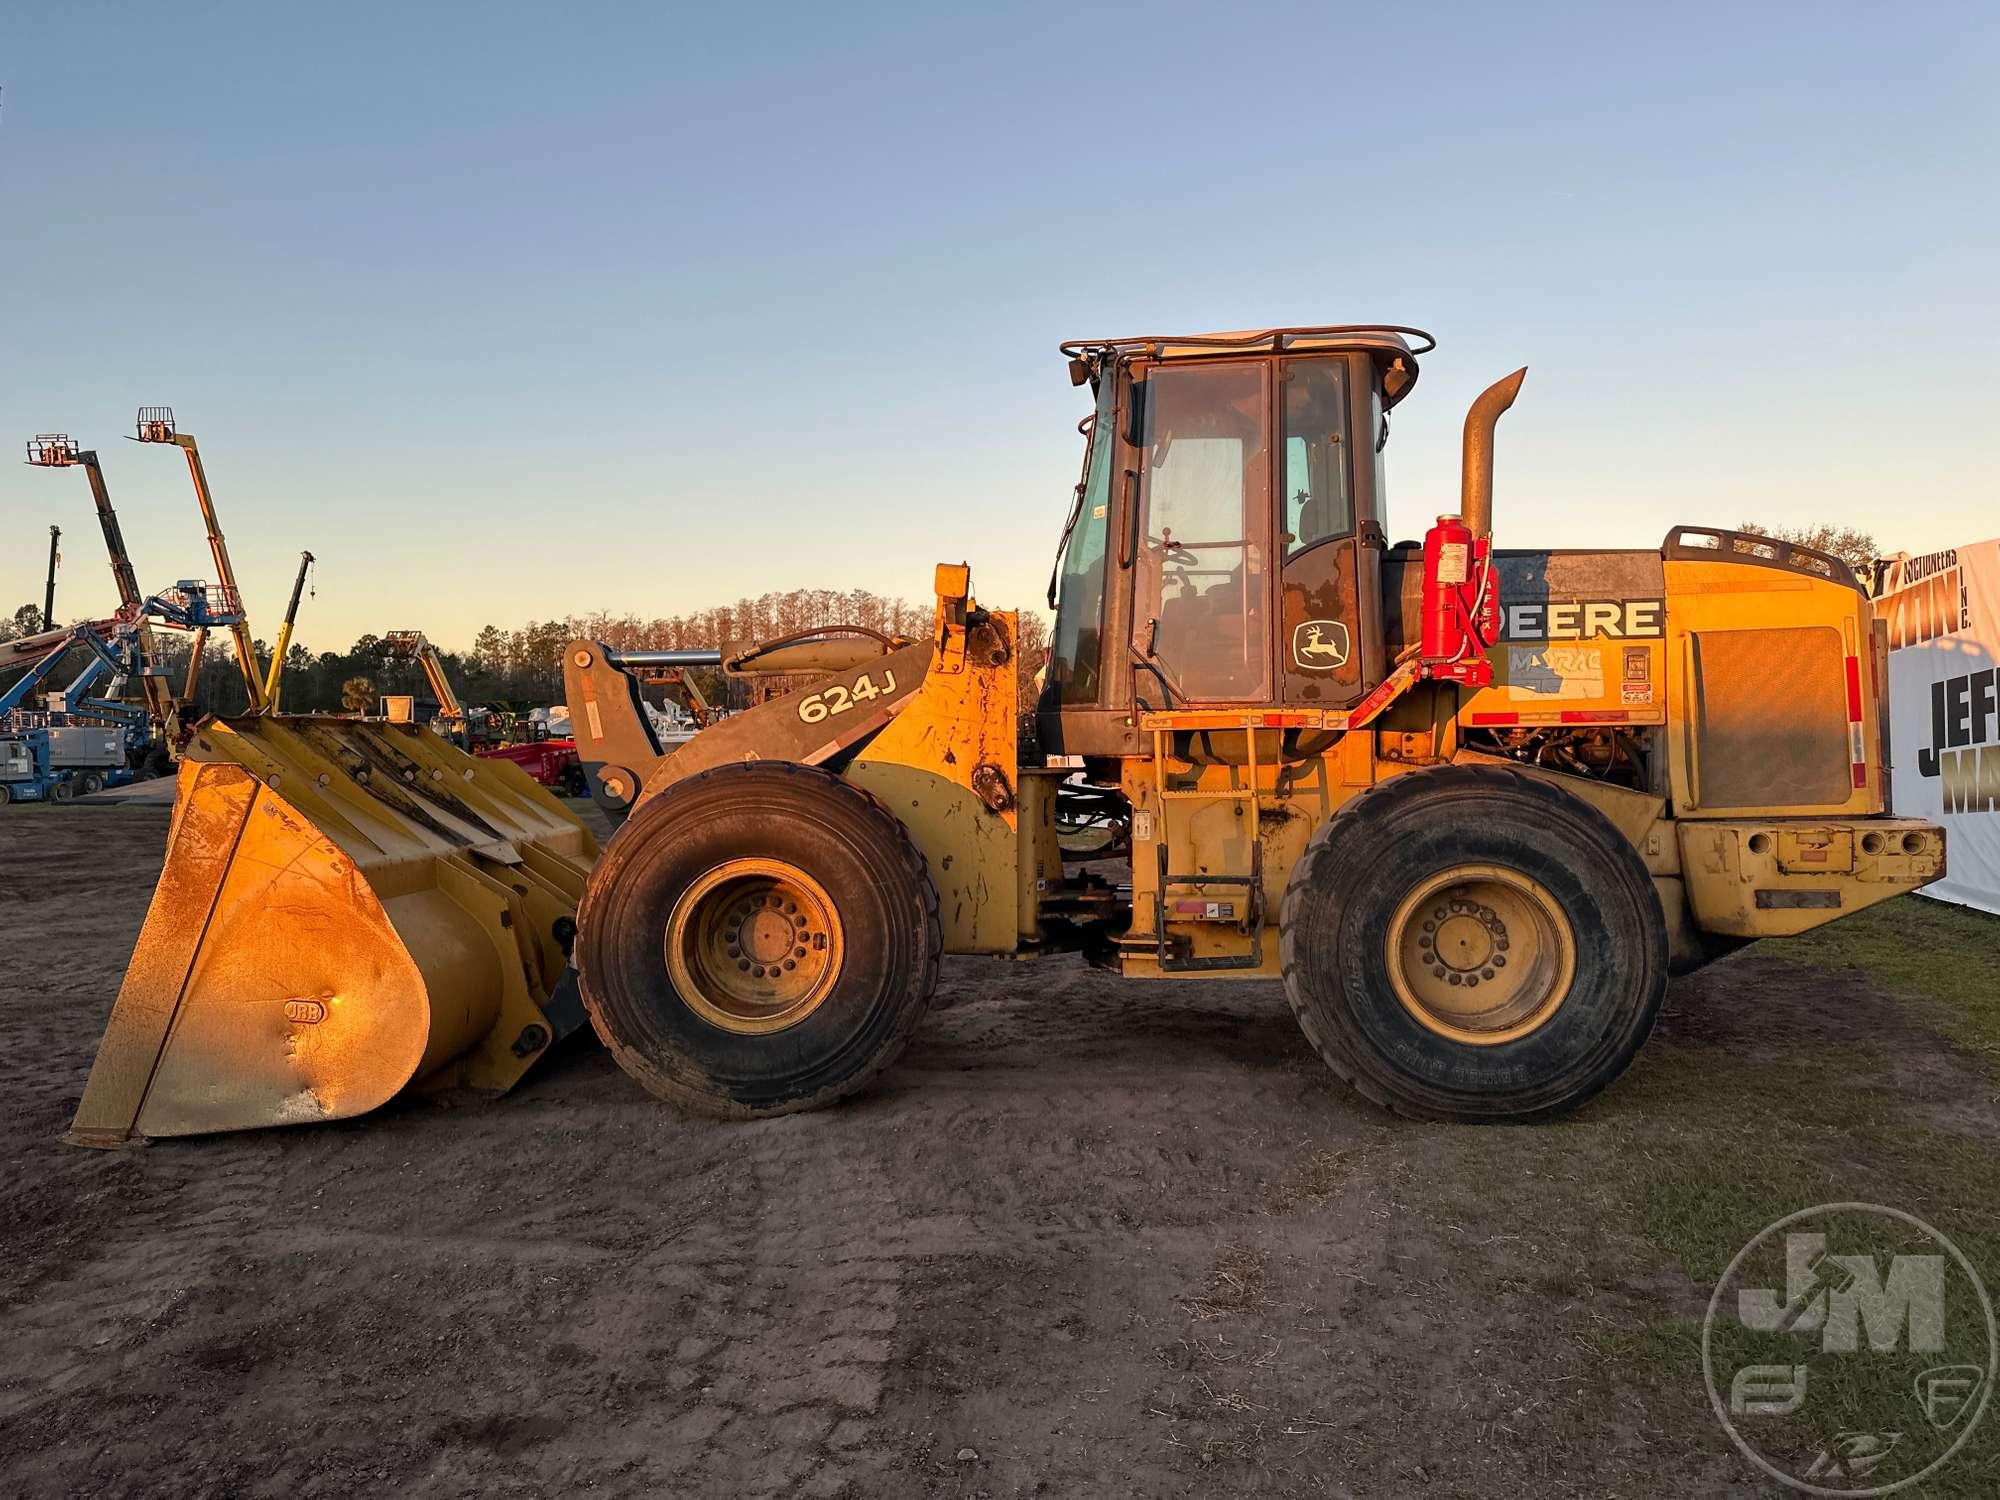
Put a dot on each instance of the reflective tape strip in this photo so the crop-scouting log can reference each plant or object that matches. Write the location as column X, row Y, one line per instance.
column 1857, row 750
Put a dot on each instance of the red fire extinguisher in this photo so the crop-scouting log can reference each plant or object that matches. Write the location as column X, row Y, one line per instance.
column 1461, row 604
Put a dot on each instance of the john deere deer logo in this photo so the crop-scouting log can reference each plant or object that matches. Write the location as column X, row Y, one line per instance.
column 1320, row 645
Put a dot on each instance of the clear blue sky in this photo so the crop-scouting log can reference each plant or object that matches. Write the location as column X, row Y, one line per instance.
column 516, row 312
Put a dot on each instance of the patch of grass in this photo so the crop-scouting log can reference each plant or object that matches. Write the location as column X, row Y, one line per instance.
column 1235, row 1285
column 1619, row 1220
column 1738, row 1142
column 1941, row 957
column 1735, row 1143
column 1310, row 1182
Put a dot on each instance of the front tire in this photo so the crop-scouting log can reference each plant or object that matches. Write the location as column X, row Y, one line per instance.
column 758, row 939
column 1472, row 943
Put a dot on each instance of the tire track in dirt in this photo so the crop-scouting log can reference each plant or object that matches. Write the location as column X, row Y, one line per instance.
column 170, row 1226
column 791, row 1327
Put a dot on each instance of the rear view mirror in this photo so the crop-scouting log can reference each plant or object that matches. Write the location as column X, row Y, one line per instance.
column 1079, row 371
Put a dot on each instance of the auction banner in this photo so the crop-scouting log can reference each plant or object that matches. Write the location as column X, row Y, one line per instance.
column 1943, row 612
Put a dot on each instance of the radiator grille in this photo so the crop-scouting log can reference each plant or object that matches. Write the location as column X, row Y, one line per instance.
column 1771, row 718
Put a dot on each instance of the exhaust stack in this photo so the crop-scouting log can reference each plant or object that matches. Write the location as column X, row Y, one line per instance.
column 1475, row 496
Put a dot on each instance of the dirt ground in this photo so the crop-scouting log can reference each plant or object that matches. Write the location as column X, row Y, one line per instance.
column 1087, row 1238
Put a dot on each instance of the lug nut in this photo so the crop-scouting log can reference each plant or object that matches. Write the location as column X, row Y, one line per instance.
column 1485, row 973
column 1498, row 961
column 1456, row 979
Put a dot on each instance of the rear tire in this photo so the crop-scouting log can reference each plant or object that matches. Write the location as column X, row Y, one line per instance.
column 89, row 784
column 758, row 939
column 1472, row 943
column 62, row 791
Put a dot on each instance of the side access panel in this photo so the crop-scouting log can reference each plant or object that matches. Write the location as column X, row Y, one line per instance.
column 1770, row 682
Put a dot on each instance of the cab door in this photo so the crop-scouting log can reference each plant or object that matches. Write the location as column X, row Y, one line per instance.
column 1325, row 635
column 1202, row 554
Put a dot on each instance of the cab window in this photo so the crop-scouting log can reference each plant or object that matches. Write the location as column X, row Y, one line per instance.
column 1319, row 500
column 1074, row 653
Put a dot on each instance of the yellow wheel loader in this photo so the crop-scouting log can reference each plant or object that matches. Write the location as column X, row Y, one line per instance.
column 1470, row 806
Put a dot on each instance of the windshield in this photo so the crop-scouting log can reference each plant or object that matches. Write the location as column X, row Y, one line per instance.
column 1073, row 656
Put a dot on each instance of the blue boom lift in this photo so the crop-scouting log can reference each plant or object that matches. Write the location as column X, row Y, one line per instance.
column 59, row 754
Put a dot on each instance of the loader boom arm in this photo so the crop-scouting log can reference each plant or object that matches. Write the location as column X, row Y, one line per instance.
column 625, row 762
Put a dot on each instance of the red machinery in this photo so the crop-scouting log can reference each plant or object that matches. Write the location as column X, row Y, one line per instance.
column 553, row 763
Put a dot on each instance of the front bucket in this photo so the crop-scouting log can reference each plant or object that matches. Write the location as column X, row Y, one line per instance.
column 348, row 908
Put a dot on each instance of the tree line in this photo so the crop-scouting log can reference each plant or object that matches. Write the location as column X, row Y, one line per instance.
column 520, row 668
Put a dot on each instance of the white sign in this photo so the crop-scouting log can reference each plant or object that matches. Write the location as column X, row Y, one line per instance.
column 1943, row 613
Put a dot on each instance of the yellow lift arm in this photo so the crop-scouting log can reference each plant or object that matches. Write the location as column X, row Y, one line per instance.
column 156, row 425
column 412, row 645
column 274, row 676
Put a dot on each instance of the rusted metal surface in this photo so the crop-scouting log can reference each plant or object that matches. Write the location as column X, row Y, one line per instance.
column 1389, row 342
column 1475, row 492
column 990, row 786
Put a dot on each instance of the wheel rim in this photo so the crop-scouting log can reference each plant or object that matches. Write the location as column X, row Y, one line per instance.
column 1481, row 954
column 754, row 946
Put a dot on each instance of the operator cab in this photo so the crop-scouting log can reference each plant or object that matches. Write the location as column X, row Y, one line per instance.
column 1225, row 545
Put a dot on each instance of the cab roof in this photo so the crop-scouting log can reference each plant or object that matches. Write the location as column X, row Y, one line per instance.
column 1390, row 343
